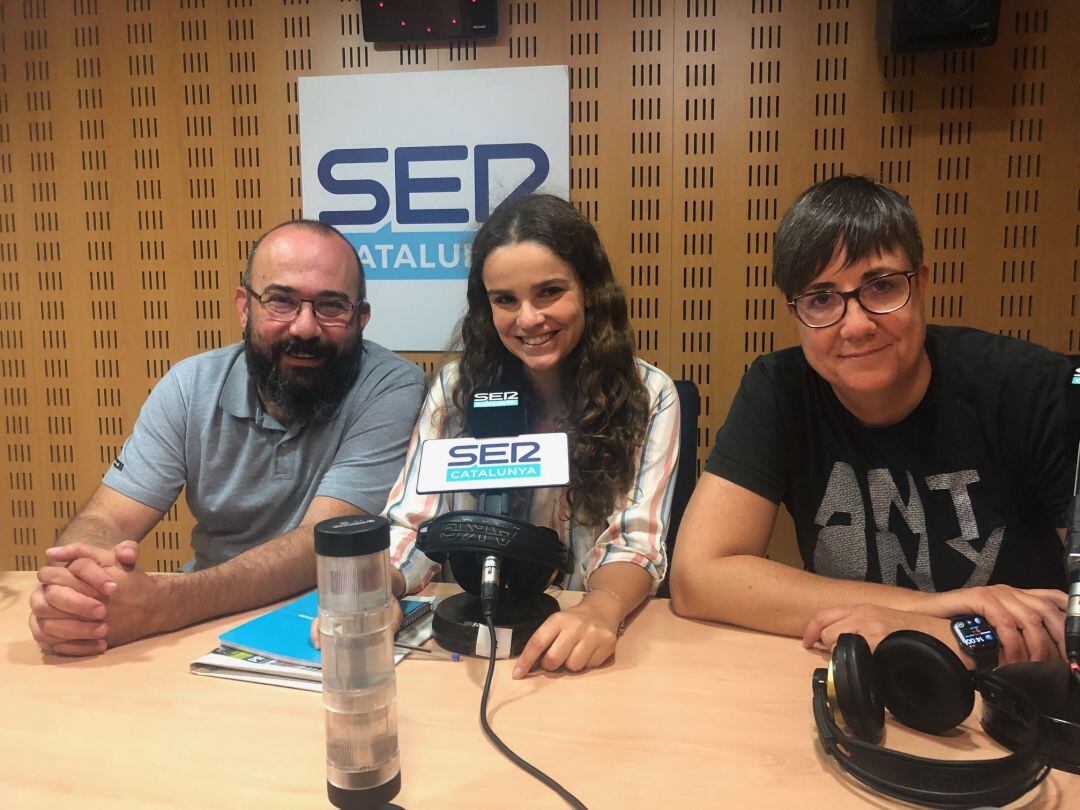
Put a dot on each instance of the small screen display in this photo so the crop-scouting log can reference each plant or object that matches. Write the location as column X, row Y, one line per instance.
column 976, row 632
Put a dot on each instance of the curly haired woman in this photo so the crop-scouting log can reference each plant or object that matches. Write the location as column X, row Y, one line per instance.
column 546, row 316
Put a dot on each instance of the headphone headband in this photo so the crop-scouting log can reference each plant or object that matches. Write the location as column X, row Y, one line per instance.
column 466, row 530
column 935, row 782
column 531, row 557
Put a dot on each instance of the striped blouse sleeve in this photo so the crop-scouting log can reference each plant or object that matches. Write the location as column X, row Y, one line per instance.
column 636, row 531
column 406, row 508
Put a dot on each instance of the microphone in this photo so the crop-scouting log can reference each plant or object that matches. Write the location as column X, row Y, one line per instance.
column 496, row 412
column 1072, row 571
column 502, row 561
column 1054, row 688
column 1072, row 528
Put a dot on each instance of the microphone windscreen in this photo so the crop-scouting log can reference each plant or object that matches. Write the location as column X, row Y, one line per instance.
column 496, row 411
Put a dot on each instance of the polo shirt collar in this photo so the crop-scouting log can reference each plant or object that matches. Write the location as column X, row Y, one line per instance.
column 238, row 396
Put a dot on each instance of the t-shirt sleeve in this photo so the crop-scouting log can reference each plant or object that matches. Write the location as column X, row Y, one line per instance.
column 152, row 467
column 373, row 446
column 750, row 448
column 1049, row 452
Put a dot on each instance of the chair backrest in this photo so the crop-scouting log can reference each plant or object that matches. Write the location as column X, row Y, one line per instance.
column 686, row 471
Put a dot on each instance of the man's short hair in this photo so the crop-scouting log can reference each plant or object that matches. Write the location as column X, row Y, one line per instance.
column 315, row 226
column 863, row 217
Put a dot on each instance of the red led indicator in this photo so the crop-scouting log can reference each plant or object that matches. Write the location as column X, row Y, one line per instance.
column 429, row 29
column 402, row 23
column 453, row 20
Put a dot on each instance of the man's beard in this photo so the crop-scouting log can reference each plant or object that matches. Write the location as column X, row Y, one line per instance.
column 304, row 394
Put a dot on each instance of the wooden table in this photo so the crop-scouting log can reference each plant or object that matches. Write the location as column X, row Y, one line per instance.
column 688, row 715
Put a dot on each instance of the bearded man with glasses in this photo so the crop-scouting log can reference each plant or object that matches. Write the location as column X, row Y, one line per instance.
column 302, row 421
column 925, row 467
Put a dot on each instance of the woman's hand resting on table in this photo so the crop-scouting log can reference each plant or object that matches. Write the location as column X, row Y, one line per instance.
column 578, row 637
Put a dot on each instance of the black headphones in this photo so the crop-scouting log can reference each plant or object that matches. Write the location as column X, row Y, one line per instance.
column 925, row 686
column 533, row 557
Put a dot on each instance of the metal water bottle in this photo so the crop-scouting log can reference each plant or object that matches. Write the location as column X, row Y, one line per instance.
column 357, row 641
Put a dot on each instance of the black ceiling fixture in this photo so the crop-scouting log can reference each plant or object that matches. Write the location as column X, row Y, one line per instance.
column 419, row 20
column 908, row 26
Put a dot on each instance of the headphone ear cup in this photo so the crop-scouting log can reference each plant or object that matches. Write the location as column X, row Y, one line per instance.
column 523, row 580
column 922, row 682
column 856, row 691
column 466, row 569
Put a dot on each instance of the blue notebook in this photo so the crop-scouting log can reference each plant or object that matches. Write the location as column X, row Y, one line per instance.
column 285, row 632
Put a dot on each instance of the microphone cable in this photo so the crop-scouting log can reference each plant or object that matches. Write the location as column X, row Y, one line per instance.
column 532, row 770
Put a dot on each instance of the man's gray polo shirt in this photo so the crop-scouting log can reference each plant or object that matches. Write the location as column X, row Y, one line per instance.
column 248, row 478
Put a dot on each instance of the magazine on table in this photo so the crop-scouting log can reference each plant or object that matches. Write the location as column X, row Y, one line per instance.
column 275, row 647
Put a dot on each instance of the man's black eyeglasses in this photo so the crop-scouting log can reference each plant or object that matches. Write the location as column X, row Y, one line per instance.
column 281, row 306
column 879, row 296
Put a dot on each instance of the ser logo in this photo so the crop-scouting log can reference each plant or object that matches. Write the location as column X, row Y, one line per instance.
column 508, row 461
column 407, row 182
column 379, row 193
column 495, row 399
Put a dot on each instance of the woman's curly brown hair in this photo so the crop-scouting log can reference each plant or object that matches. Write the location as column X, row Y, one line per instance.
column 608, row 405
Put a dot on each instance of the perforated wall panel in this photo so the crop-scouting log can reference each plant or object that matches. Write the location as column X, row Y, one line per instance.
column 144, row 144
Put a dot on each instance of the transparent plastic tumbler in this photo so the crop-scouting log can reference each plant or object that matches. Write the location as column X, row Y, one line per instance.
column 357, row 640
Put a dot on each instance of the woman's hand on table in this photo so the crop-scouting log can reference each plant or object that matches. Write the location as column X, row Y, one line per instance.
column 578, row 637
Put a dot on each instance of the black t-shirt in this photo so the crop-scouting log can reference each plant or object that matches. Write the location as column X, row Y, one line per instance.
column 966, row 490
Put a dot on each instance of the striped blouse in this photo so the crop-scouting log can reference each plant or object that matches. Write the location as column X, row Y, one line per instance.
column 634, row 533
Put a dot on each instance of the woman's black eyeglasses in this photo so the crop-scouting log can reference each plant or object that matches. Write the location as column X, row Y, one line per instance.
column 879, row 296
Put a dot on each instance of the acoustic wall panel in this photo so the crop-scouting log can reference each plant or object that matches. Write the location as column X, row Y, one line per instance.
column 20, row 479
column 155, row 298
column 144, row 144
column 635, row 186
column 725, row 144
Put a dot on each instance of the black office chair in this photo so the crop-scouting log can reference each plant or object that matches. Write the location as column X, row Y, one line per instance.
column 686, row 471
